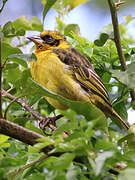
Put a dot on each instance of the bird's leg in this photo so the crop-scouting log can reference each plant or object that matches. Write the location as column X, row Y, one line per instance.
column 43, row 122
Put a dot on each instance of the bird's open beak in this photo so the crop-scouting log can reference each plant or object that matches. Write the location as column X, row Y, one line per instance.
column 36, row 39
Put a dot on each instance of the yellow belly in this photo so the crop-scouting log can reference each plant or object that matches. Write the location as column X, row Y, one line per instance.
column 51, row 73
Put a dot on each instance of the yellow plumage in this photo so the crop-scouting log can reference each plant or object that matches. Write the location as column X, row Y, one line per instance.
column 63, row 70
column 55, row 76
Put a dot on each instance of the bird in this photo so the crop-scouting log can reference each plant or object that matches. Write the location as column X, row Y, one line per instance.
column 65, row 71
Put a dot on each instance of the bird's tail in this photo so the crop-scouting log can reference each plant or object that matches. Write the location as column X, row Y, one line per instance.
column 119, row 120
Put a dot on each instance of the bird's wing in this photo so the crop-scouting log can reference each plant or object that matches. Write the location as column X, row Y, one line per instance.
column 83, row 72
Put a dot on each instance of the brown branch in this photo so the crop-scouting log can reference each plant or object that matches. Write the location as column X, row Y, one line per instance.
column 119, row 3
column 117, row 34
column 24, row 135
column 113, row 10
column 18, row 132
column 22, row 103
column 4, row 3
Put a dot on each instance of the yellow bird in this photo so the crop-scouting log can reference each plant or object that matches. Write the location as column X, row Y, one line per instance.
column 63, row 70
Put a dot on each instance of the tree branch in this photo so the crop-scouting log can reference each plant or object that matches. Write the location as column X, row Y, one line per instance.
column 113, row 10
column 119, row 3
column 3, row 5
column 18, row 132
column 117, row 34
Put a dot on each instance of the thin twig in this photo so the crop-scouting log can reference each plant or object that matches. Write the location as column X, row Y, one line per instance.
column 10, row 89
column 35, row 162
column 4, row 3
column 3, row 65
column 22, row 103
column 5, row 113
column 0, row 79
column 113, row 10
column 119, row 3
column 28, row 165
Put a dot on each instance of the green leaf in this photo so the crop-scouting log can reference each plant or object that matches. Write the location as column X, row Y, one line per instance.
column 101, row 159
column 3, row 138
column 69, row 114
column 127, row 174
column 47, row 7
column 22, row 23
column 105, row 145
column 10, row 66
column 128, row 18
column 60, row 25
column 20, row 32
column 120, row 108
column 133, row 104
column 33, row 157
column 127, row 77
column 20, row 62
column 43, row 142
column 72, row 4
column 33, row 128
column 81, row 44
column 21, row 120
column 8, row 29
column 64, row 161
column 25, row 57
column 25, row 75
column 35, row 176
column 102, row 39
column 97, row 42
column 36, row 24
column 7, row 50
column 13, row 75
column 71, row 28
column 130, row 138
column 73, row 172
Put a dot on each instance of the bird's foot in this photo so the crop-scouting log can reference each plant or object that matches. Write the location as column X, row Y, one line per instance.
column 49, row 122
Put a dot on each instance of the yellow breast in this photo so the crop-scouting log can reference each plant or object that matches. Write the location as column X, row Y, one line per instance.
column 51, row 73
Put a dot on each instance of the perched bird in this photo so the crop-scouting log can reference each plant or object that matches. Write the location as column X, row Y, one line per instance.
column 63, row 70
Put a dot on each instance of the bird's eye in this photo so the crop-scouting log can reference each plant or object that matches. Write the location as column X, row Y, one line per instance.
column 48, row 39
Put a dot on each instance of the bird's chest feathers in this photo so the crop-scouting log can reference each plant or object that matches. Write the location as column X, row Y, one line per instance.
column 49, row 70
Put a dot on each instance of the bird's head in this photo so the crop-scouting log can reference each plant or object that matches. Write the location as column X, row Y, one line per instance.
column 48, row 40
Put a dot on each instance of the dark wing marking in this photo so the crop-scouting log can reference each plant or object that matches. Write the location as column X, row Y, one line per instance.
column 83, row 72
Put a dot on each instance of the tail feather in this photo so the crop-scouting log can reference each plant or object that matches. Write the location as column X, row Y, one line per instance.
column 119, row 120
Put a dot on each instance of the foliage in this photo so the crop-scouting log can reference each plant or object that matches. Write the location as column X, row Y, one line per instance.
column 91, row 150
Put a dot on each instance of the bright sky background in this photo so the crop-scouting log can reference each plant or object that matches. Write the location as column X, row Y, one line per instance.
column 91, row 19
